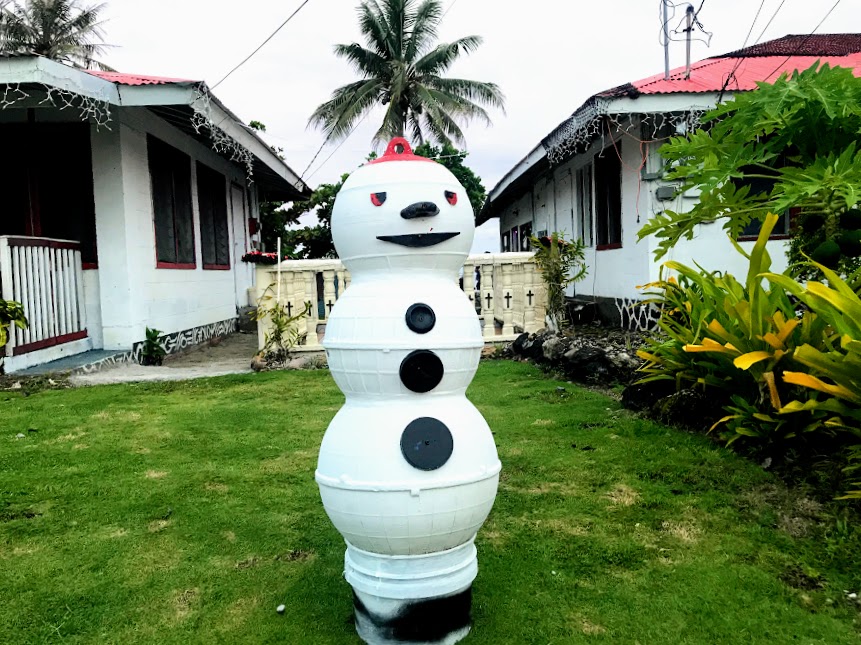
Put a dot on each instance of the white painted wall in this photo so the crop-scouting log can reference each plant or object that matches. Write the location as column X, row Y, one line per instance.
column 616, row 273
column 136, row 294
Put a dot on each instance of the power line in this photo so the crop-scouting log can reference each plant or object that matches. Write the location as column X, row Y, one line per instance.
column 773, row 16
column 804, row 42
column 263, row 44
column 343, row 141
column 735, row 67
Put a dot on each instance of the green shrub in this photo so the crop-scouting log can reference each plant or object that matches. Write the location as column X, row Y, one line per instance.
column 11, row 313
column 152, row 351
column 285, row 331
column 747, row 340
column 560, row 263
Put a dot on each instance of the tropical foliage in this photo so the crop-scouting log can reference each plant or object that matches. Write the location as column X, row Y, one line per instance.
column 787, row 376
column 285, row 330
column 63, row 30
column 152, row 350
column 311, row 242
column 453, row 159
column 560, row 263
column 402, row 68
column 787, row 147
column 11, row 313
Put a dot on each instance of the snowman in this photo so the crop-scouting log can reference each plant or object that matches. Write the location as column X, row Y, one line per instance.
column 408, row 469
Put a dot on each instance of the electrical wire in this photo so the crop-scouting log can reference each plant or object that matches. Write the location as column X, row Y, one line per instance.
column 804, row 42
column 263, row 44
column 773, row 16
column 732, row 72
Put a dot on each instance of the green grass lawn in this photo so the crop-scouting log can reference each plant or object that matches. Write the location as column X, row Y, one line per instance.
column 187, row 512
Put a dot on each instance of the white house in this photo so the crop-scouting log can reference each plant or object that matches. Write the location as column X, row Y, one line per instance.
column 129, row 202
column 598, row 175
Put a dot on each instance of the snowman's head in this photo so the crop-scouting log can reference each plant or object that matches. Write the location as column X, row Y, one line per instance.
column 402, row 211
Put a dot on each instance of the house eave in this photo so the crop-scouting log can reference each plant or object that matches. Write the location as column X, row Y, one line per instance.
column 620, row 101
column 279, row 180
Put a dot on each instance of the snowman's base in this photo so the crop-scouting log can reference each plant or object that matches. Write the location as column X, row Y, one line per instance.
column 421, row 600
column 434, row 621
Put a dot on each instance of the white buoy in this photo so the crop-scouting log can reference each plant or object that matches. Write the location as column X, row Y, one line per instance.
column 408, row 470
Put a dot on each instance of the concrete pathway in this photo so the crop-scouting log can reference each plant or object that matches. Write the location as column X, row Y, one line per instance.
column 230, row 356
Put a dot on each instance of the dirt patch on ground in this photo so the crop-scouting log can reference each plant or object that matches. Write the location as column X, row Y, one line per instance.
column 796, row 514
column 623, row 495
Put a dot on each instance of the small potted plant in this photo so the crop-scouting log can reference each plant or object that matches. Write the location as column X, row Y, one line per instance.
column 152, row 351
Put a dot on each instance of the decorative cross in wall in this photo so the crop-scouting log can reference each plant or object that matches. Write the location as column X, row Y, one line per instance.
column 530, row 295
column 488, row 297
column 289, row 309
column 471, row 299
column 330, row 304
column 508, row 300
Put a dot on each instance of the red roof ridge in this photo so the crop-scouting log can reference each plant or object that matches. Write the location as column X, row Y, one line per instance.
column 136, row 79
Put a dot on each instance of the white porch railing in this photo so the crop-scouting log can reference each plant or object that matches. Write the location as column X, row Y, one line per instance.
column 506, row 288
column 46, row 277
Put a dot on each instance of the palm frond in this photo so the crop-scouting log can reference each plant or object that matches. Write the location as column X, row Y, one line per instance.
column 475, row 91
column 424, row 29
column 441, row 57
column 62, row 30
column 364, row 61
column 348, row 104
column 375, row 29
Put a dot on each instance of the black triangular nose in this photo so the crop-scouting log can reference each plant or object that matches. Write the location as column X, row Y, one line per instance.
column 420, row 209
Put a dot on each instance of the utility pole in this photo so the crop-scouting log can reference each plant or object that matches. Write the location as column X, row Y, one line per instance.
column 666, row 41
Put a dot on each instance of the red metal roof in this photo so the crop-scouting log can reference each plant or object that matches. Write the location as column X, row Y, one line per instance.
column 806, row 45
column 710, row 75
column 137, row 79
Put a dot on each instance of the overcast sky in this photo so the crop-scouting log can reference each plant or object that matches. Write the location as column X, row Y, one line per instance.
column 548, row 56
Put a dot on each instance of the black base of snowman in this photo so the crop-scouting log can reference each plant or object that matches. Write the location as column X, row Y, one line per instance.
column 408, row 470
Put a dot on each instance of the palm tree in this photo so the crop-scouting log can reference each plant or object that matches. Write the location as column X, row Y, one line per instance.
column 402, row 68
column 62, row 30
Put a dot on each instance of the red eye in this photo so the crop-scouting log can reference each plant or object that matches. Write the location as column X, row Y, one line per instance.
column 378, row 199
column 451, row 197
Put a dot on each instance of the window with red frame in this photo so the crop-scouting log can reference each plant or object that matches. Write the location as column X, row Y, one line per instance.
column 170, row 173
column 214, row 230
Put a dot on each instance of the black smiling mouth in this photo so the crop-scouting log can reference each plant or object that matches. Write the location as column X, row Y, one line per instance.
column 418, row 240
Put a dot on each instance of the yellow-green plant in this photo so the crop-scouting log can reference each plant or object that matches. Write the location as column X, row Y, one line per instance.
column 739, row 337
column 834, row 370
column 11, row 313
column 786, row 355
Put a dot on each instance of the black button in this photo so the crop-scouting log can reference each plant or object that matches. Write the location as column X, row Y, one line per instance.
column 421, row 371
column 427, row 443
column 420, row 318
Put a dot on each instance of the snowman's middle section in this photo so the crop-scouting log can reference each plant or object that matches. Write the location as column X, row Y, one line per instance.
column 408, row 465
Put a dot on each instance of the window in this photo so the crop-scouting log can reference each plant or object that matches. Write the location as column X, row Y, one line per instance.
column 584, row 204
column 608, row 198
column 506, row 242
column 525, row 237
column 780, row 231
column 170, row 172
column 214, row 232
column 764, row 186
column 515, row 240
